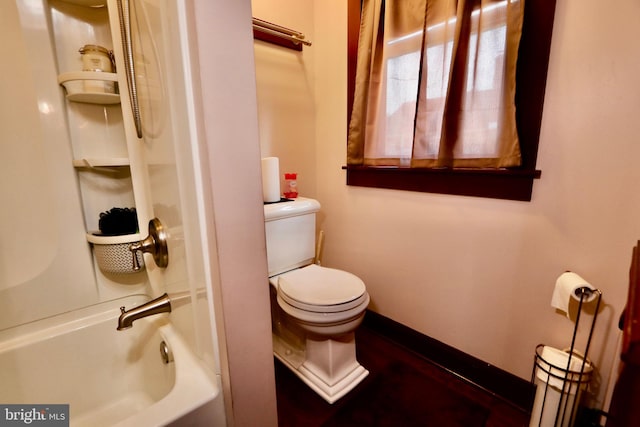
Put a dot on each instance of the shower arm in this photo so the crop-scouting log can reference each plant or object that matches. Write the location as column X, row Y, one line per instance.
column 125, row 35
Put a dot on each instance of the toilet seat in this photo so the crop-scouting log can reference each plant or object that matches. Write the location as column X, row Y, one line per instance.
column 321, row 290
column 324, row 319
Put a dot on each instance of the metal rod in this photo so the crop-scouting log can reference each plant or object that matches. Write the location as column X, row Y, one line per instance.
column 588, row 292
column 125, row 34
column 562, row 404
column 280, row 31
column 275, row 27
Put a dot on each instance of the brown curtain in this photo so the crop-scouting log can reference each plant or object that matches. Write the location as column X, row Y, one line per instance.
column 435, row 84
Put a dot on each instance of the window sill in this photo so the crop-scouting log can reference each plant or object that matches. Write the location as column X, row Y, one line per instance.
column 508, row 184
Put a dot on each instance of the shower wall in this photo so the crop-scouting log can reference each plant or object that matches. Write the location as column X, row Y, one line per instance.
column 51, row 145
column 45, row 261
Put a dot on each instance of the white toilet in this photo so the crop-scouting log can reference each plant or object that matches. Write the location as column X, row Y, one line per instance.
column 315, row 310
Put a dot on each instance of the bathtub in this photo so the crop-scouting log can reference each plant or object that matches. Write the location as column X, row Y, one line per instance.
column 108, row 377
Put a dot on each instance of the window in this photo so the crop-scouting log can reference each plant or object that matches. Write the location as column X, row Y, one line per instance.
column 394, row 153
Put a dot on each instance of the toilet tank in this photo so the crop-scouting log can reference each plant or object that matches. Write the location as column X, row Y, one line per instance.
column 290, row 229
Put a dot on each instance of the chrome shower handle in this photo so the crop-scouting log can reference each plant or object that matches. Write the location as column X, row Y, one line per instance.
column 127, row 47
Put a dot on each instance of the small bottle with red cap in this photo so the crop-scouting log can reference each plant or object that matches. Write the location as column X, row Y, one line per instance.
column 290, row 185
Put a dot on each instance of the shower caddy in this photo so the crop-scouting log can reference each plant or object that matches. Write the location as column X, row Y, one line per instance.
column 106, row 129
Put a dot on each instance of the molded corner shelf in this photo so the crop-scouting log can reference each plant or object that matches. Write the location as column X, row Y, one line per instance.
column 87, row 3
column 75, row 83
column 105, row 162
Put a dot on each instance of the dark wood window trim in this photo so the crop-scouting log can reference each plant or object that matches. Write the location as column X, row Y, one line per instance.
column 531, row 78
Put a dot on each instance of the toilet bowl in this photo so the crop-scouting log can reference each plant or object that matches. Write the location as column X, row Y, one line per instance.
column 315, row 310
column 323, row 301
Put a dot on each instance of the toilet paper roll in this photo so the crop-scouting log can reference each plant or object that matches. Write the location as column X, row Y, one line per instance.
column 567, row 287
column 270, row 179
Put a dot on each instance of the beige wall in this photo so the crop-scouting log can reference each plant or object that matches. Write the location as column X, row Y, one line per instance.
column 475, row 273
column 286, row 94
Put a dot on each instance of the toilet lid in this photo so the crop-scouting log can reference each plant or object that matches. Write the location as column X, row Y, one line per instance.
column 320, row 286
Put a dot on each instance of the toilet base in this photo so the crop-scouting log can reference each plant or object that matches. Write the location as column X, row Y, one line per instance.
column 328, row 366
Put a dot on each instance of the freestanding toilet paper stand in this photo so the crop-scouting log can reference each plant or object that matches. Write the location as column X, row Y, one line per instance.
column 562, row 374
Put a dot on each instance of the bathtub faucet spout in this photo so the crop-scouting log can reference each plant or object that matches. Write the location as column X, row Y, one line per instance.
column 159, row 305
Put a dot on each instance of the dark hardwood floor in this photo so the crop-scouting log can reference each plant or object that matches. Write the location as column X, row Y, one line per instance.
column 403, row 389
